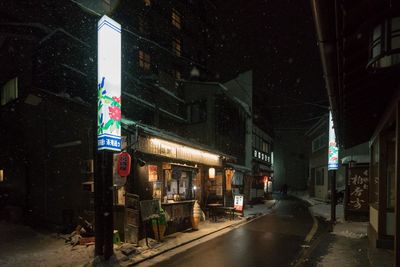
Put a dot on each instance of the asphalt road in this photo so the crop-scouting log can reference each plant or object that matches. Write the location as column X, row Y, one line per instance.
column 272, row 240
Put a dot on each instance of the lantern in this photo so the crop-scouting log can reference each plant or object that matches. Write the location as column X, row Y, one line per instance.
column 211, row 173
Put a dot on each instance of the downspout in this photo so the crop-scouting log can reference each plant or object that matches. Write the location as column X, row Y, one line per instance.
column 324, row 18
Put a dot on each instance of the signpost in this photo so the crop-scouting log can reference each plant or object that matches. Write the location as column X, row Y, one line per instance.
column 108, row 129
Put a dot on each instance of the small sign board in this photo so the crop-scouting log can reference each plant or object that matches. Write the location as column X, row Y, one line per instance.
column 149, row 209
column 152, row 173
column 238, row 203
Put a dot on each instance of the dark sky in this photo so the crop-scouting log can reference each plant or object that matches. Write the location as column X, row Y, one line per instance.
column 275, row 38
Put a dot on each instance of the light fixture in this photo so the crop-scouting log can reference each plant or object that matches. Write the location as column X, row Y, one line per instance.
column 384, row 48
column 211, row 173
column 352, row 163
column 141, row 162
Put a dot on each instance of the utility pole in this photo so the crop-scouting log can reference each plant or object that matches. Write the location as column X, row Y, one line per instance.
column 333, row 165
column 333, row 197
column 108, row 130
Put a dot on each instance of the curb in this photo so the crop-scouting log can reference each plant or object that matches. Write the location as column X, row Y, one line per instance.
column 245, row 220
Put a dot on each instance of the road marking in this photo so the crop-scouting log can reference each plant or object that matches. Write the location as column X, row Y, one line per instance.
column 313, row 230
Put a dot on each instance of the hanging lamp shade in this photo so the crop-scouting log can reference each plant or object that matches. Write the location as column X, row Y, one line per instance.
column 211, row 173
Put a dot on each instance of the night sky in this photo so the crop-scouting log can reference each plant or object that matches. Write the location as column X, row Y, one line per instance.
column 276, row 39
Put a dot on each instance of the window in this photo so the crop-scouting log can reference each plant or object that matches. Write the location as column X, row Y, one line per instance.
column 144, row 60
column 320, row 176
column 197, row 112
column 177, row 75
column 176, row 46
column 176, row 18
column 9, row 91
column 320, row 142
column 143, row 26
column 147, row 2
column 2, row 176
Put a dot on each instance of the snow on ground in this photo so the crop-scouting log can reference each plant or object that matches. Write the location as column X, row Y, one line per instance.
column 322, row 209
column 22, row 246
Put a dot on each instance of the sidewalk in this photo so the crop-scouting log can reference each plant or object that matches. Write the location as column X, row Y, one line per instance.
column 347, row 245
column 22, row 246
column 181, row 238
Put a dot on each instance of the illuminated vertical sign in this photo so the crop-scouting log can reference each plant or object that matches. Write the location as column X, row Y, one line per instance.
column 109, row 84
column 333, row 151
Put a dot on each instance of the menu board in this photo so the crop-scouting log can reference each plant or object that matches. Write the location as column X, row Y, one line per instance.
column 149, row 209
column 238, row 202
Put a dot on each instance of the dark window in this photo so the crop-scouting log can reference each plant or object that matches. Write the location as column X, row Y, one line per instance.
column 197, row 112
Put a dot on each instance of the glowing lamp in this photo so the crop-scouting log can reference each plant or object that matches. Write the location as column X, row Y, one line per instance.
column 211, row 173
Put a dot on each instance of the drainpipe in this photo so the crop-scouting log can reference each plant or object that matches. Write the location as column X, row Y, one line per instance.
column 324, row 18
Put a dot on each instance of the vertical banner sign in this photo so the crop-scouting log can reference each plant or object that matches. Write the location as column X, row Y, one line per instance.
column 333, row 151
column 109, row 84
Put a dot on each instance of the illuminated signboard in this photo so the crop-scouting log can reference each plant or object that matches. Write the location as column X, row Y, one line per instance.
column 109, row 85
column 333, row 151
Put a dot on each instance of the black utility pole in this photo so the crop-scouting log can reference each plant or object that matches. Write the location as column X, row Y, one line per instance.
column 333, row 197
column 104, row 227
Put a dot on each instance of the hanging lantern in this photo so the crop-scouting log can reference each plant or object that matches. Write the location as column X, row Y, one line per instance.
column 211, row 173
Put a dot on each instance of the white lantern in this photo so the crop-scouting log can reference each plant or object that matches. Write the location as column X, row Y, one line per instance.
column 211, row 173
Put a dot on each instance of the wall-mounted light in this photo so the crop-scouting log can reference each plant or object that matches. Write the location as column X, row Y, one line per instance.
column 352, row 163
column 211, row 173
column 141, row 162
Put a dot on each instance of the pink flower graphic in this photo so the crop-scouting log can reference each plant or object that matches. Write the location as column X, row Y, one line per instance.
column 115, row 113
column 117, row 99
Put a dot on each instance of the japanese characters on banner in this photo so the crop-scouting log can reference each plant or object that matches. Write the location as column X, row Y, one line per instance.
column 333, row 151
column 357, row 187
column 109, row 85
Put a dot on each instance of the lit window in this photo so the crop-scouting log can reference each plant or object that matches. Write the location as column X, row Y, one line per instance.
column 259, row 155
column 262, row 156
column 9, row 91
column 176, row 46
column 255, row 153
column 176, row 18
column 147, row 2
column 1, row 176
column 144, row 60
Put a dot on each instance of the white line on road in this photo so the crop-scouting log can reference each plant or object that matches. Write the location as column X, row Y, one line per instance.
column 313, row 230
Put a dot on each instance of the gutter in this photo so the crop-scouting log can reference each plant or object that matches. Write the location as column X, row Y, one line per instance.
column 324, row 18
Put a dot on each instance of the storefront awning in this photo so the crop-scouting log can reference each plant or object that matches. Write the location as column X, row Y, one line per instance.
column 356, row 158
column 241, row 168
column 171, row 145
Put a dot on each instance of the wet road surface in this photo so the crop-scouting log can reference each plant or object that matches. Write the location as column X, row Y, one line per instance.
column 272, row 240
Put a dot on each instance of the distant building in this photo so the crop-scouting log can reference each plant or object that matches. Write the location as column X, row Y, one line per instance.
column 262, row 184
column 318, row 183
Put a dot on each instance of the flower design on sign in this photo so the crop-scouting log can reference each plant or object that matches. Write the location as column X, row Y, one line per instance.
column 115, row 113
column 111, row 121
